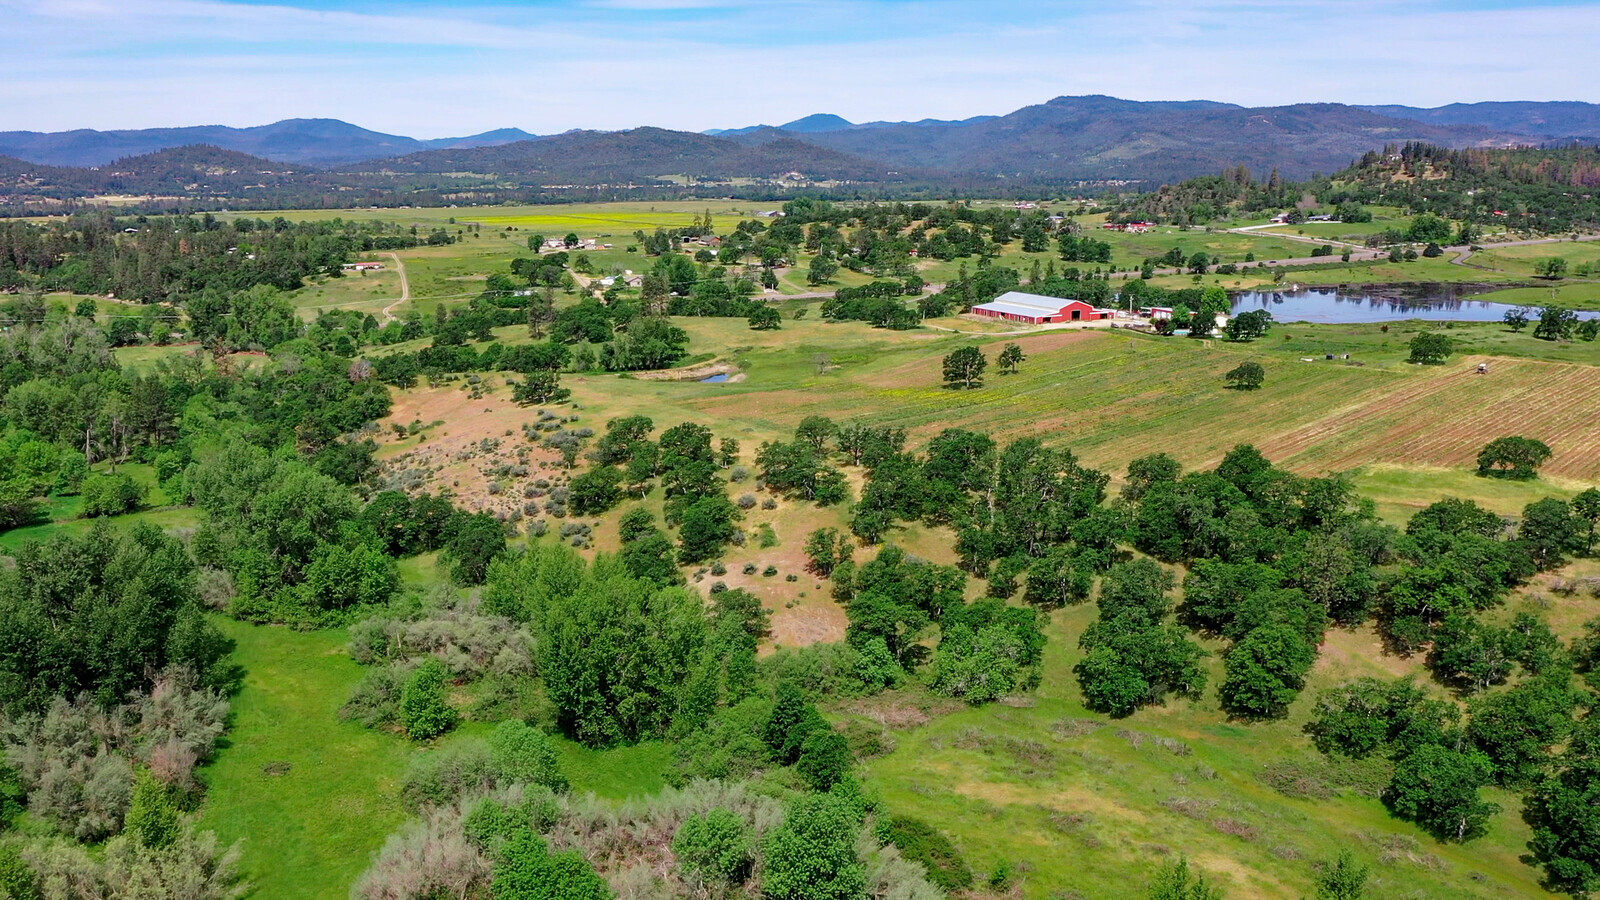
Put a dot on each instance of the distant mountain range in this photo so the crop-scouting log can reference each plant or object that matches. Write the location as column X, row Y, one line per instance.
column 317, row 142
column 1553, row 121
column 1065, row 140
column 818, row 123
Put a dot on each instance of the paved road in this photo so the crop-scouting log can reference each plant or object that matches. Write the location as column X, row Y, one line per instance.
column 405, row 290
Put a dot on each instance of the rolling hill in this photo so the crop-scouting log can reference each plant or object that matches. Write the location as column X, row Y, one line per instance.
column 1559, row 120
column 639, row 154
column 1066, row 140
column 318, row 142
column 1100, row 138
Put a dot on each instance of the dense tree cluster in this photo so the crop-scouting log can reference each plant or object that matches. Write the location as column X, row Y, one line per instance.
column 176, row 258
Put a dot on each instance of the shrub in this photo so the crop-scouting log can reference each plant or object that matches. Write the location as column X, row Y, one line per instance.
column 825, row 759
column 440, row 778
column 729, row 747
column 17, row 880
column 152, row 818
column 523, row 754
column 109, row 495
column 812, row 854
column 527, row 870
column 71, row 470
column 12, row 795
column 430, row 858
column 423, row 711
column 376, row 700
column 716, row 846
column 920, row 842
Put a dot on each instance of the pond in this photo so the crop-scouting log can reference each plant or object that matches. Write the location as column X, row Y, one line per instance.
column 718, row 378
column 1374, row 303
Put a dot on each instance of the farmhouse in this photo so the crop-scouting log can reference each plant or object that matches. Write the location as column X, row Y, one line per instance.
column 1034, row 309
column 363, row 266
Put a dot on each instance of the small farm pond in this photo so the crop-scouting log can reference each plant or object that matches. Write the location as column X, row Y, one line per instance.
column 1377, row 303
column 718, row 378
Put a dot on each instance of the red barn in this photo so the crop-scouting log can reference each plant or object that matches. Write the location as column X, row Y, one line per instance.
column 1034, row 309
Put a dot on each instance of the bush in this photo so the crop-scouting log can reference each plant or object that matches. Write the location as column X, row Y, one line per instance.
column 716, row 846
column 152, row 818
column 920, row 842
column 423, row 711
column 527, row 870
column 442, row 777
column 17, row 880
column 812, row 854
column 12, row 795
column 825, row 759
column 729, row 747
column 71, row 471
column 376, row 700
column 523, row 754
column 109, row 495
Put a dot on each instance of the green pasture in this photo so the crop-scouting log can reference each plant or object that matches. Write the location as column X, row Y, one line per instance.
column 1081, row 806
column 63, row 515
column 1400, row 491
column 310, row 797
column 1570, row 294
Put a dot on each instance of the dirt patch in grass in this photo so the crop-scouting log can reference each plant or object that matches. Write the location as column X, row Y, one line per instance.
column 1070, row 800
column 903, row 709
column 693, row 373
column 815, row 620
column 478, row 454
column 1360, row 651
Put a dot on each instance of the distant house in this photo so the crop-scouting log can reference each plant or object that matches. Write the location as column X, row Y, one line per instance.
column 1155, row 312
column 1033, row 309
column 1134, row 227
column 362, row 266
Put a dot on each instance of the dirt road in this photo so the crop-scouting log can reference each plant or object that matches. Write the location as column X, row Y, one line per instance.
column 405, row 289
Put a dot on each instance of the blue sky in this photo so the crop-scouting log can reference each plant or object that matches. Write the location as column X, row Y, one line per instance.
column 441, row 69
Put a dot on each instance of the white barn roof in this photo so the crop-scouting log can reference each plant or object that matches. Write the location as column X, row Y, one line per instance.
column 1017, row 303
